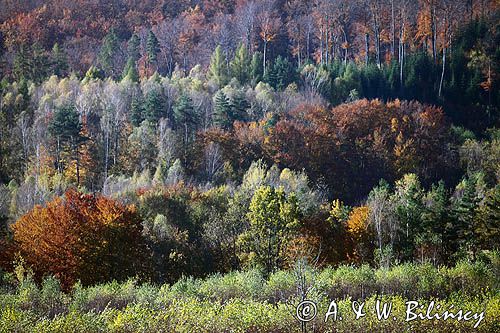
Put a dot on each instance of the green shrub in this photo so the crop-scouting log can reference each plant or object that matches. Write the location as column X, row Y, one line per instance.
column 96, row 299
column 247, row 284
column 472, row 277
column 347, row 280
column 246, row 302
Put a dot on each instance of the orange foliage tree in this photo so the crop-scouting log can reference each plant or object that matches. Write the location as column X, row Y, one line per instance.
column 81, row 237
column 360, row 232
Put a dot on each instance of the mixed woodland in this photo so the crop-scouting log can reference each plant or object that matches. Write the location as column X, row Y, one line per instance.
column 161, row 140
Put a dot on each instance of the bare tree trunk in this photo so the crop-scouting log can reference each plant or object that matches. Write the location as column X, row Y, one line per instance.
column 77, row 166
column 393, row 30
column 367, row 48
column 106, row 156
column 299, row 62
column 334, row 47
column 377, row 41
column 433, row 31
column 264, row 57
column 401, row 57
column 169, row 61
column 346, row 45
column 442, row 72
column 58, row 161
column 376, row 30
column 185, row 142
column 116, row 147
column 321, row 48
column 327, row 44
column 308, row 42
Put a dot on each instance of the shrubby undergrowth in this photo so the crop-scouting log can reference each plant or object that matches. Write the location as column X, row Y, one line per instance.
column 248, row 302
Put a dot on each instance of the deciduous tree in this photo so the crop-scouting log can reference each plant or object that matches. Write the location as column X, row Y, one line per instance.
column 81, row 237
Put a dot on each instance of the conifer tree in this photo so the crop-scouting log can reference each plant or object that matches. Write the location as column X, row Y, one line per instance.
column 133, row 47
column 136, row 111
column 93, row 73
column 459, row 232
column 185, row 119
column 154, row 106
column 31, row 63
column 152, row 48
column 435, row 215
column 59, row 61
column 21, row 66
column 256, row 68
column 130, row 71
column 282, row 73
column 66, row 128
column 240, row 66
column 487, row 225
column 184, row 113
column 109, row 49
column 218, row 70
column 239, row 105
column 222, row 116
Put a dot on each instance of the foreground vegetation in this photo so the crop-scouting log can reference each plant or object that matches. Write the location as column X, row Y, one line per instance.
column 187, row 138
column 248, row 302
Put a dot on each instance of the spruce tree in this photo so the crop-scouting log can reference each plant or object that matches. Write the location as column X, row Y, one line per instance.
column 154, row 106
column 282, row 73
column 152, row 48
column 59, row 61
column 109, row 49
column 240, row 66
column 184, row 114
column 435, row 214
column 487, row 226
column 40, row 63
column 65, row 127
column 185, row 120
column 218, row 67
column 133, row 47
column 459, row 231
column 24, row 92
column 31, row 63
column 239, row 105
column 130, row 71
column 22, row 65
column 136, row 111
column 222, row 116
column 65, row 124
column 256, row 68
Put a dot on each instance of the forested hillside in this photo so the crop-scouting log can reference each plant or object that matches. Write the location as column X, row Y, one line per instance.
column 163, row 139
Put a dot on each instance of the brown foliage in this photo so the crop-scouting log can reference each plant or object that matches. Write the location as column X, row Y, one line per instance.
column 81, row 237
column 350, row 147
column 353, row 146
column 320, row 242
column 241, row 146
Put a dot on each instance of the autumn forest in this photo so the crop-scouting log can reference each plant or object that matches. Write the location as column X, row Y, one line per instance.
column 203, row 147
